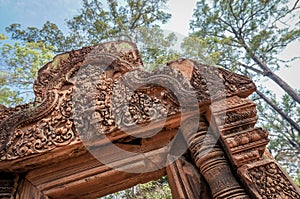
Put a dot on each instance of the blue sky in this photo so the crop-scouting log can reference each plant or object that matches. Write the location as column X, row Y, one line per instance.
column 36, row 12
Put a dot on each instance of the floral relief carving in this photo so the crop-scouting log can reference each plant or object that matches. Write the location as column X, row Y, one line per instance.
column 103, row 89
column 47, row 123
column 52, row 130
column 271, row 182
column 233, row 141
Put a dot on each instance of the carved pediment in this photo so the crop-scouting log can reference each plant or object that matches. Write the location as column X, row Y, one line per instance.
column 102, row 94
column 115, row 70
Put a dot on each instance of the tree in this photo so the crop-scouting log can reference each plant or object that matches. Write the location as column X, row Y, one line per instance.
column 156, row 46
column 97, row 21
column 49, row 34
column 285, row 142
column 18, row 70
column 246, row 37
column 158, row 189
column 254, row 31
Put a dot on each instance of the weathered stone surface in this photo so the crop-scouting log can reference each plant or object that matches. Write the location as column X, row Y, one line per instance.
column 186, row 181
column 8, row 184
column 210, row 159
column 266, row 179
column 88, row 98
column 47, row 123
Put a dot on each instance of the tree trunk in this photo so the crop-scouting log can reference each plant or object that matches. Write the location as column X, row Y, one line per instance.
column 268, row 73
column 285, row 86
column 278, row 110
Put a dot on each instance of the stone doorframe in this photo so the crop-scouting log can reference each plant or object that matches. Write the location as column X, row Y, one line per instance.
column 46, row 152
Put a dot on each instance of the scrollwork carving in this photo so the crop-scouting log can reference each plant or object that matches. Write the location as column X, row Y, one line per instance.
column 48, row 128
column 116, row 93
column 46, row 123
column 21, row 119
column 204, row 81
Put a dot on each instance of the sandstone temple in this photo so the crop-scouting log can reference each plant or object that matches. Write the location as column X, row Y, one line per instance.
column 101, row 123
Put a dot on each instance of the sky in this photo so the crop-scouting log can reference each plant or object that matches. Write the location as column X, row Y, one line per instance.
column 36, row 12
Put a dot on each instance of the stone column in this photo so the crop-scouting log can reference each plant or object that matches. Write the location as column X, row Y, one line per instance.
column 212, row 164
column 186, row 181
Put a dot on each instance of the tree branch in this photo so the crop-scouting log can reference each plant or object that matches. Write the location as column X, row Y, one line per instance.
column 251, row 68
column 268, row 72
column 295, row 5
column 251, row 16
column 133, row 24
column 289, row 11
column 278, row 110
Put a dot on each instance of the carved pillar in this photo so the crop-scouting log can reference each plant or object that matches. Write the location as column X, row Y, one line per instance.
column 211, row 161
column 8, row 184
column 44, row 132
column 186, row 181
column 27, row 190
column 234, row 120
column 15, row 186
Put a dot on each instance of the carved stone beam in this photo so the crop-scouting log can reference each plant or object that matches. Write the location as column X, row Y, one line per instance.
column 47, row 123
